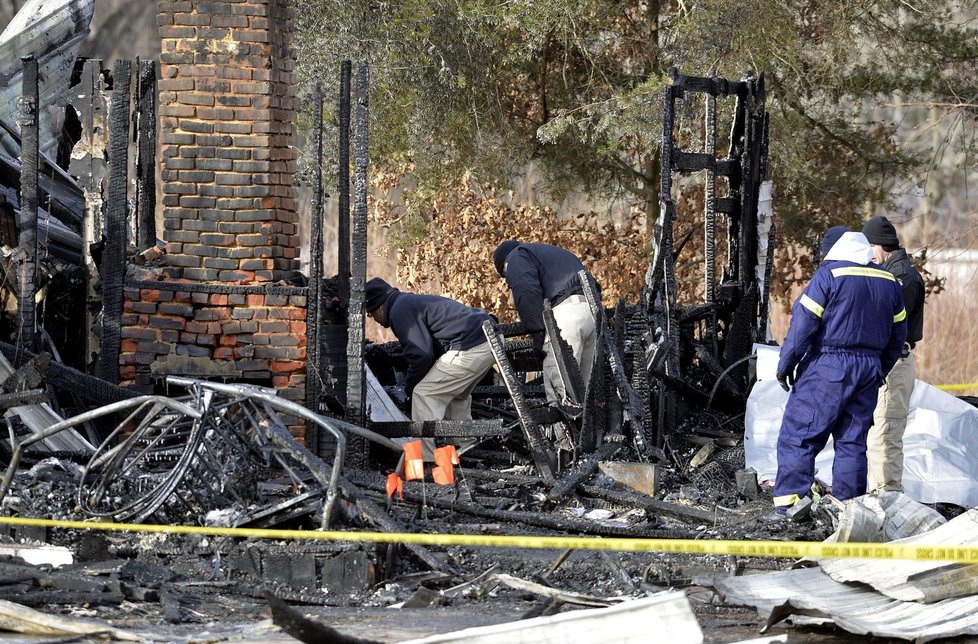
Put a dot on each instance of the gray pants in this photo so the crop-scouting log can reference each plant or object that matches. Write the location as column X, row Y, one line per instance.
column 576, row 324
column 884, row 444
column 445, row 393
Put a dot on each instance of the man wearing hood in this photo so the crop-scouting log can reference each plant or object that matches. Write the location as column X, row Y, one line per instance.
column 847, row 331
column 444, row 345
column 538, row 272
column 884, row 449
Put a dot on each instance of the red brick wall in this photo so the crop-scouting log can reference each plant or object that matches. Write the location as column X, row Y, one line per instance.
column 237, row 337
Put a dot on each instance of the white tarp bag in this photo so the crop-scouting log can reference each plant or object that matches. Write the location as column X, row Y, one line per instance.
column 940, row 446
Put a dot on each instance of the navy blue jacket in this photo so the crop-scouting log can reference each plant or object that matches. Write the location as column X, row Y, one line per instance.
column 913, row 292
column 535, row 272
column 848, row 307
column 428, row 326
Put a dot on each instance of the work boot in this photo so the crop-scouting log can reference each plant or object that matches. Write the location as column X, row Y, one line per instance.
column 775, row 515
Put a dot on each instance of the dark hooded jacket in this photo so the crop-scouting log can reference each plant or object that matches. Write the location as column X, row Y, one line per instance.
column 535, row 272
column 429, row 325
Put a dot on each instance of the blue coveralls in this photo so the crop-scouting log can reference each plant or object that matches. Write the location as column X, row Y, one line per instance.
column 847, row 331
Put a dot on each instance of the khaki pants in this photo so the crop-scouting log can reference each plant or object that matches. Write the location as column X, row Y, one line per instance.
column 884, row 444
column 576, row 324
column 445, row 393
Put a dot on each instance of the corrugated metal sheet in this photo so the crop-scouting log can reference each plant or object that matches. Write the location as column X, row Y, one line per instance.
column 812, row 593
column 917, row 580
column 913, row 600
column 643, row 620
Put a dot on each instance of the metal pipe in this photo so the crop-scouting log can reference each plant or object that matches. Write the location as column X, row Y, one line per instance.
column 85, row 417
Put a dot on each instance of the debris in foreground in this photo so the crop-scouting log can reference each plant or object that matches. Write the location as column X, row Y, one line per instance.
column 913, row 600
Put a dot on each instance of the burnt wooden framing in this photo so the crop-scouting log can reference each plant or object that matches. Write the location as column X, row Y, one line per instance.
column 735, row 302
column 116, row 210
column 27, row 119
column 146, row 155
column 315, row 296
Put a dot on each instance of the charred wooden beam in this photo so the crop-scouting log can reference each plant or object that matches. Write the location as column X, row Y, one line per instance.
column 18, row 398
column 634, row 413
column 581, row 472
column 314, row 377
column 146, row 155
column 540, row 450
column 538, row 519
column 355, row 387
column 28, row 119
column 343, row 199
column 441, row 428
column 644, row 502
column 116, row 207
column 65, row 378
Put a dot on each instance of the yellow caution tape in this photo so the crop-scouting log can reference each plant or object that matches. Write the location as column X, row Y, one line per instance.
column 784, row 549
column 963, row 387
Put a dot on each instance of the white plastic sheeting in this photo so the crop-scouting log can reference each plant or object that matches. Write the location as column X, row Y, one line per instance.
column 940, row 446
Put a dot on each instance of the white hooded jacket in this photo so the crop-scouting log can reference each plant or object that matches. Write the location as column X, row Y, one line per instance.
column 851, row 247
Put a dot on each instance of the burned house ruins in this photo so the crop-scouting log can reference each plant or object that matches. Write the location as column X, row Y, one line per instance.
column 205, row 381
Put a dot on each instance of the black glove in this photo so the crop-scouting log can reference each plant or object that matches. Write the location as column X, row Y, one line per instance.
column 786, row 380
column 538, row 350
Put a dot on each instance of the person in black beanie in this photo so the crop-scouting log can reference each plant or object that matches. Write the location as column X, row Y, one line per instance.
column 884, row 445
column 444, row 345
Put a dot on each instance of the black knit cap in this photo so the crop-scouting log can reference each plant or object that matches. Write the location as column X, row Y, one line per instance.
column 879, row 230
column 375, row 294
column 501, row 253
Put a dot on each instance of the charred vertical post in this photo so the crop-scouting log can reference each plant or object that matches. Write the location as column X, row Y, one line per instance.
column 355, row 411
column 114, row 255
column 27, row 119
column 314, row 299
column 540, row 450
column 88, row 164
column 146, row 155
column 710, row 214
column 343, row 225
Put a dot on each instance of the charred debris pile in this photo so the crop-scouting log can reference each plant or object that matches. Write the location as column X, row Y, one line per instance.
column 650, row 446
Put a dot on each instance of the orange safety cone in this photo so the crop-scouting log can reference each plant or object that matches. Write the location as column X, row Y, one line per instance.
column 413, row 461
column 395, row 484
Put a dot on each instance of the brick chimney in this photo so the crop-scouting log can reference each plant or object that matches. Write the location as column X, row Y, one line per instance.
column 227, row 111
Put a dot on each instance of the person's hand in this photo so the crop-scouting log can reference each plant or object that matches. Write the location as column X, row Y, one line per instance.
column 786, row 380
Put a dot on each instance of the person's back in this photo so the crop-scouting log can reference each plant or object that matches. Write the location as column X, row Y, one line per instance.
column 859, row 309
column 850, row 304
column 846, row 332
column 452, row 324
column 537, row 272
column 443, row 343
